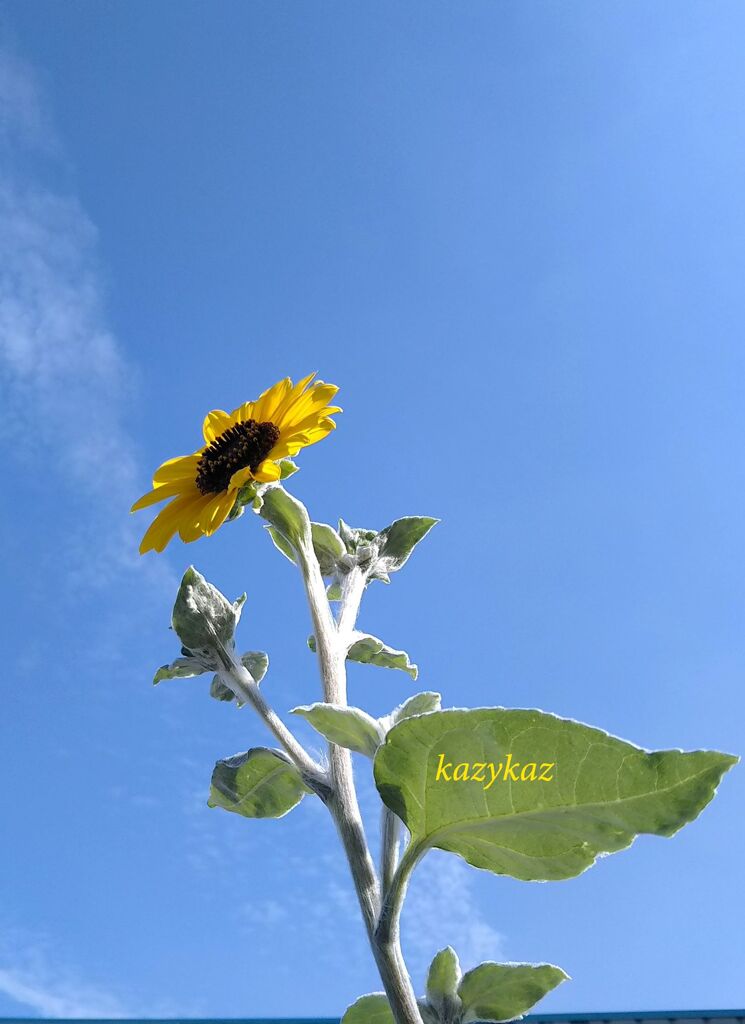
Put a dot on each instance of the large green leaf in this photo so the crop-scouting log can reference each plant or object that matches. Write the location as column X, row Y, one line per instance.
column 348, row 727
column 576, row 792
column 501, row 992
column 373, row 1009
column 261, row 783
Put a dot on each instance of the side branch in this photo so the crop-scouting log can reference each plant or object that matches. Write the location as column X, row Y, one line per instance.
column 238, row 679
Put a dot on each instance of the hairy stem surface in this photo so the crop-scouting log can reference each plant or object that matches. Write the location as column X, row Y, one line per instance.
column 332, row 643
column 238, row 679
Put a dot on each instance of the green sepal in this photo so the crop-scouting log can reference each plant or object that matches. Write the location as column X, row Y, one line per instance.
column 261, row 783
column 252, row 492
column 535, row 823
column 203, row 617
column 347, row 727
column 442, row 984
column 372, row 1009
column 504, row 992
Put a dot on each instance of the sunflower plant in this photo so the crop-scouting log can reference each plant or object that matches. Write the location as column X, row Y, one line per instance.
column 516, row 792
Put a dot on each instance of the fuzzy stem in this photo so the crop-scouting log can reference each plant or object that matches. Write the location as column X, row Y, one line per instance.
column 390, row 914
column 332, row 643
column 238, row 679
column 390, row 833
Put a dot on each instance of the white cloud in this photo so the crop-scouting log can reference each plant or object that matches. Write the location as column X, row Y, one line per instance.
column 67, row 385
column 441, row 910
column 62, row 999
column 28, row 978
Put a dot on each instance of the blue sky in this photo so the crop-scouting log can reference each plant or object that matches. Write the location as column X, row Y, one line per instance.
column 513, row 233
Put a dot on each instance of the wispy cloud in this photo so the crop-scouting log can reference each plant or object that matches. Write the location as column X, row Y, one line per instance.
column 67, row 384
column 442, row 909
column 29, row 979
column 66, row 388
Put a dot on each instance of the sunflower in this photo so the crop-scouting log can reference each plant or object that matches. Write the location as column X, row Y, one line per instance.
column 243, row 445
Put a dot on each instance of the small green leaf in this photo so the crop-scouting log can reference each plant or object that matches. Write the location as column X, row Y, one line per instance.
column 220, row 691
column 328, row 546
column 397, row 541
column 348, row 727
column 419, row 704
column 502, row 992
column 202, row 616
column 333, row 591
column 261, row 783
column 373, row 1009
column 181, row 668
column 369, row 650
column 348, row 536
column 534, row 796
column 287, row 468
column 353, row 537
column 256, row 662
column 442, row 984
column 286, row 514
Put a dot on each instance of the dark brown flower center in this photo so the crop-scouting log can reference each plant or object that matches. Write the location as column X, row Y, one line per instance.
column 243, row 444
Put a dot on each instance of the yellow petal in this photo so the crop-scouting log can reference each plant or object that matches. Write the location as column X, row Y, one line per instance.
column 298, row 439
column 243, row 412
column 160, row 493
column 309, row 422
column 165, row 524
column 219, row 513
column 216, row 423
column 267, row 472
column 265, row 407
column 190, row 528
column 183, row 467
column 312, row 401
column 292, row 396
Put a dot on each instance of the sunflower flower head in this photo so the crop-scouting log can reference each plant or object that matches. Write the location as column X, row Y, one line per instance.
column 239, row 447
